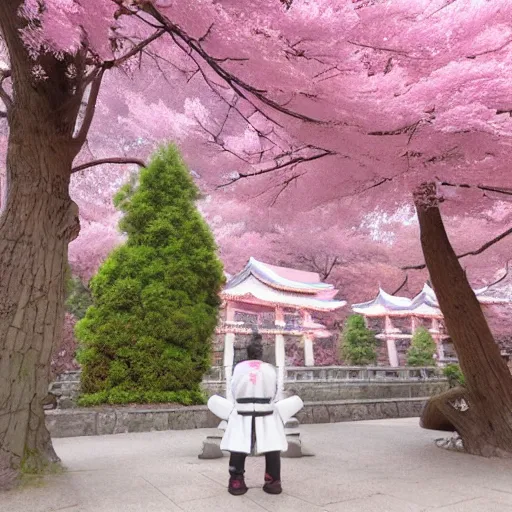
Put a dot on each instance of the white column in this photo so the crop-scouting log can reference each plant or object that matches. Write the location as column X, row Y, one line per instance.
column 392, row 353
column 229, row 351
column 229, row 355
column 436, row 334
column 280, row 353
column 309, row 356
column 414, row 324
column 440, row 349
column 280, row 360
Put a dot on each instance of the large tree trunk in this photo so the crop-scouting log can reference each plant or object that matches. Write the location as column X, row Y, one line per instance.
column 482, row 411
column 38, row 222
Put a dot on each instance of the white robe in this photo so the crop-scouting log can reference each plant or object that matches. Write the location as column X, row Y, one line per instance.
column 254, row 379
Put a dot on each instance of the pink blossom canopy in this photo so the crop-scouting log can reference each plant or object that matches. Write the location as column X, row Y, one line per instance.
column 338, row 108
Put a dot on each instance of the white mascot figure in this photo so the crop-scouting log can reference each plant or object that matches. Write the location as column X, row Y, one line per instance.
column 255, row 419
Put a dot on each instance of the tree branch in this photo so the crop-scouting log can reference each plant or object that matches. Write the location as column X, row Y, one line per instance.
column 237, row 84
column 113, row 160
column 499, row 280
column 489, row 188
column 390, row 50
column 90, row 109
column 96, row 78
column 475, row 252
column 5, row 73
column 284, row 186
column 335, row 262
column 448, row 3
column 402, row 285
column 410, row 129
column 135, row 50
column 278, row 166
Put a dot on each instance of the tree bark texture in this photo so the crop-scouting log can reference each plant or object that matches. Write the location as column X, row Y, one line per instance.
column 481, row 412
column 38, row 222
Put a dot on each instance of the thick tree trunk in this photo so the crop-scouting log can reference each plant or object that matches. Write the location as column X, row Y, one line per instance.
column 37, row 224
column 482, row 411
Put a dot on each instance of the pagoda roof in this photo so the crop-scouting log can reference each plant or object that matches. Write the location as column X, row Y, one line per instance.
column 423, row 304
column 263, row 284
column 281, row 278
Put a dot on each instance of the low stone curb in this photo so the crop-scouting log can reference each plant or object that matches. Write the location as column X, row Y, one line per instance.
column 93, row 422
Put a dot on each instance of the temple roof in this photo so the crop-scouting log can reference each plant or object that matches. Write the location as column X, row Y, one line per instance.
column 260, row 283
column 423, row 304
column 281, row 278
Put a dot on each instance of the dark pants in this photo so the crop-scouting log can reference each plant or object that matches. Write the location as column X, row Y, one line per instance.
column 272, row 464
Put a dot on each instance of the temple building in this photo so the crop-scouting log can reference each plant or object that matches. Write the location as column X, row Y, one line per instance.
column 397, row 318
column 281, row 304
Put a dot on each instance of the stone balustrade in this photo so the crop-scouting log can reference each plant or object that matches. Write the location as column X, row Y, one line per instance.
column 314, row 384
column 346, row 374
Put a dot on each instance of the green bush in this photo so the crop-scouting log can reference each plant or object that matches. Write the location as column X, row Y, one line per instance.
column 156, row 298
column 118, row 396
column 422, row 349
column 454, row 375
column 359, row 344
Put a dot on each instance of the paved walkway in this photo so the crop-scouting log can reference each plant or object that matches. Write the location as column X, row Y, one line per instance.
column 375, row 466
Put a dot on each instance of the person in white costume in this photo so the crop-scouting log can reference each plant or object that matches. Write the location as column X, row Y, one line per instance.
column 255, row 419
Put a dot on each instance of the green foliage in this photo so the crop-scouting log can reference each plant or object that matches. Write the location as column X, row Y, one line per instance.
column 422, row 349
column 156, row 298
column 359, row 345
column 118, row 396
column 78, row 297
column 454, row 375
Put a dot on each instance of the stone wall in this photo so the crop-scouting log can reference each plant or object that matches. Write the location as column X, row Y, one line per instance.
column 106, row 421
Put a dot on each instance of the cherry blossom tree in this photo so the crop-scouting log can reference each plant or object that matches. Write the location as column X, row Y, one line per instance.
column 334, row 109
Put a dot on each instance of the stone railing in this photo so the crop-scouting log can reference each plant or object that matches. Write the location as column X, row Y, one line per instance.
column 292, row 329
column 346, row 374
column 311, row 383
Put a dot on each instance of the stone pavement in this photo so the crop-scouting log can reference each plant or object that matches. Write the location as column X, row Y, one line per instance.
column 372, row 466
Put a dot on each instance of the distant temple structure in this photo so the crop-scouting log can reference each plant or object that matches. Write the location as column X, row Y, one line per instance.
column 397, row 318
column 278, row 302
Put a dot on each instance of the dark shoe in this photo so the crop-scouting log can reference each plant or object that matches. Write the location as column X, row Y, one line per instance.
column 237, row 485
column 272, row 486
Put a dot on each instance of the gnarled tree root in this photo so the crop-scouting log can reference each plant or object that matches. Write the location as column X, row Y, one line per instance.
column 433, row 417
column 452, row 411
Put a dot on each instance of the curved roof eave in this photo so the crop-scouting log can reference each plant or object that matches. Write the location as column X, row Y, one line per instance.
column 263, row 273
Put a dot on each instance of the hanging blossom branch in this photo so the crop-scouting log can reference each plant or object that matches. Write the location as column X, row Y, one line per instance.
column 194, row 50
column 270, row 141
column 241, row 87
column 113, row 160
column 475, row 252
